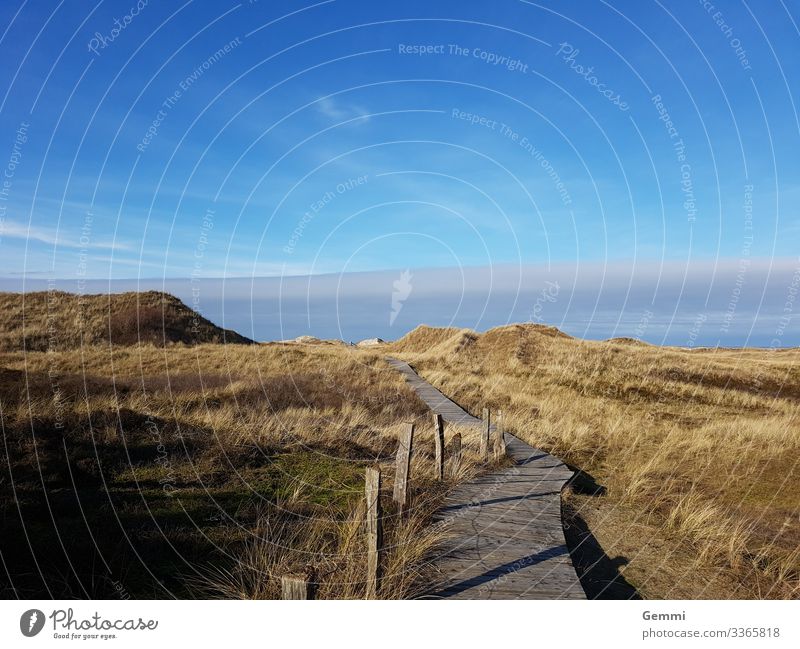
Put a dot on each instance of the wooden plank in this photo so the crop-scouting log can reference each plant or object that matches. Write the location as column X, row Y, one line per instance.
column 499, row 444
column 372, row 490
column 403, row 467
column 485, row 433
column 297, row 586
column 455, row 455
column 438, row 443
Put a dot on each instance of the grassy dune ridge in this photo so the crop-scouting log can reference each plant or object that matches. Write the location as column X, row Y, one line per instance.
column 55, row 320
column 699, row 450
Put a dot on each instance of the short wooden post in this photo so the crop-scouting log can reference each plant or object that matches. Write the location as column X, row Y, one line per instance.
column 403, row 467
column 499, row 437
column 372, row 489
column 438, row 440
column 296, row 586
column 456, row 458
column 485, row 433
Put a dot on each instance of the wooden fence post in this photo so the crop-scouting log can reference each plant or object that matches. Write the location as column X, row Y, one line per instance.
column 403, row 467
column 456, row 461
column 438, row 440
column 487, row 415
column 372, row 489
column 296, row 586
column 499, row 437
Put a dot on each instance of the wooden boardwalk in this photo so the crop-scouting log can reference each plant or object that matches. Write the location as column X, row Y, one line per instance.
column 449, row 410
column 507, row 540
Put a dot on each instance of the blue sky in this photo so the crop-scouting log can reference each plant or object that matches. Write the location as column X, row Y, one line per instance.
column 291, row 138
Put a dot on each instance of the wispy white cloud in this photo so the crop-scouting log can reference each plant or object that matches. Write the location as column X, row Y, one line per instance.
column 50, row 236
column 341, row 111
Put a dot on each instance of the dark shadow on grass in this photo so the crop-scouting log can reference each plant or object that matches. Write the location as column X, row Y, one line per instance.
column 584, row 483
column 599, row 574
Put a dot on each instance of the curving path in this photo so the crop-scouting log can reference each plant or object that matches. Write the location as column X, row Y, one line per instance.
column 507, row 539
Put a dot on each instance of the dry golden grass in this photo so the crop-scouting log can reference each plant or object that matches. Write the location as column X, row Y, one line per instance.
column 699, row 450
column 208, row 470
column 330, row 550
